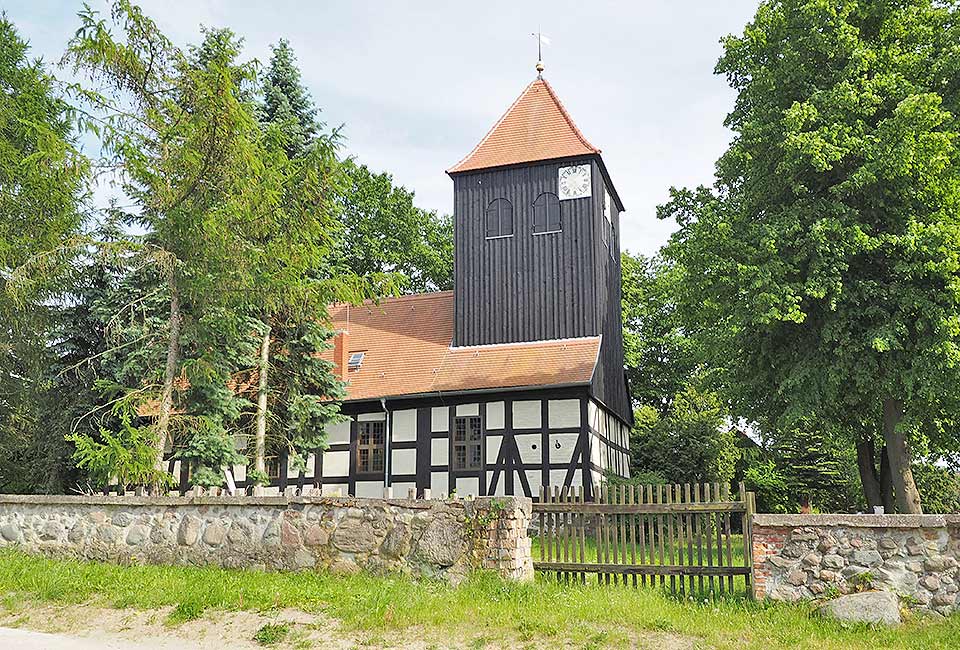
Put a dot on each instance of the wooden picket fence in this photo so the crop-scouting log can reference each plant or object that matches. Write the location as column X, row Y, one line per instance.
column 678, row 536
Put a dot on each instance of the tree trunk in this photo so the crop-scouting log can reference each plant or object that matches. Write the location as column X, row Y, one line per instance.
column 905, row 490
column 886, row 482
column 169, row 373
column 868, row 473
column 261, row 439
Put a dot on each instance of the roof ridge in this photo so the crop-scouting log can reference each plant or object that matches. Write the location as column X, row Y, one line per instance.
column 495, row 125
column 566, row 116
column 535, row 127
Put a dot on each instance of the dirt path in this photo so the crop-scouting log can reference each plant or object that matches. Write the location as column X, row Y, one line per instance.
column 38, row 626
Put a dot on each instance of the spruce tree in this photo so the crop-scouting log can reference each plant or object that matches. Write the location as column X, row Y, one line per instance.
column 286, row 102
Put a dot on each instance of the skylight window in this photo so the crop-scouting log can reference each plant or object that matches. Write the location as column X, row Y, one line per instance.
column 355, row 361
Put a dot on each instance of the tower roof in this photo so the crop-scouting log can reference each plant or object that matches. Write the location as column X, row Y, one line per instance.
column 536, row 127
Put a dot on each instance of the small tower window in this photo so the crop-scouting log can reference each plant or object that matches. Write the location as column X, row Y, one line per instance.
column 546, row 213
column 499, row 219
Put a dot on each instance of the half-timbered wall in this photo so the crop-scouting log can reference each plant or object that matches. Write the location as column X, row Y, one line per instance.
column 530, row 439
column 609, row 440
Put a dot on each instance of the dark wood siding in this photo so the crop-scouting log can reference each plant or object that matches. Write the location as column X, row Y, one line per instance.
column 527, row 287
column 534, row 287
column 609, row 383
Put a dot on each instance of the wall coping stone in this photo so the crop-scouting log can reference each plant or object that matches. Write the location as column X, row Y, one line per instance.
column 857, row 521
column 506, row 502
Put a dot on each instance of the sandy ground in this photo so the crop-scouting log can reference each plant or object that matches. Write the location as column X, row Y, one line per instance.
column 86, row 627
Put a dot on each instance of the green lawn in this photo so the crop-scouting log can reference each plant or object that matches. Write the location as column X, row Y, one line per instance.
column 484, row 609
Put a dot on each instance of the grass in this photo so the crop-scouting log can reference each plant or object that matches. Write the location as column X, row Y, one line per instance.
column 484, row 608
column 272, row 633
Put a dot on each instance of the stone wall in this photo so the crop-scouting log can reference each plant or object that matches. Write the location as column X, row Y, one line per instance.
column 429, row 538
column 800, row 557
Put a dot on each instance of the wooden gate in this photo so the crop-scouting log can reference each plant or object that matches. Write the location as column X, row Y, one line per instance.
column 695, row 538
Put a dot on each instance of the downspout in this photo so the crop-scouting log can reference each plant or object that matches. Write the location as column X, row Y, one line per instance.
column 387, row 435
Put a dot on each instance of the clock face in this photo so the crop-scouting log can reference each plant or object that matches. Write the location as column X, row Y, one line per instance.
column 574, row 182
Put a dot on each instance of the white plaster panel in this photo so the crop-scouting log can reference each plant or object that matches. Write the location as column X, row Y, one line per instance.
column 333, row 490
column 379, row 416
column 404, row 461
column 556, row 477
column 533, row 479
column 494, row 416
column 403, row 425
column 468, row 486
column 338, row 433
column 563, row 413
column 311, row 466
column 269, row 491
column 239, row 473
column 438, row 485
column 529, row 446
column 595, row 449
column 439, row 451
column 400, row 490
column 369, row 489
column 593, row 415
column 501, row 488
column 176, row 470
column 562, row 447
column 468, row 409
column 493, row 448
column 440, row 418
column 336, row 463
column 526, row 414
column 291, row 472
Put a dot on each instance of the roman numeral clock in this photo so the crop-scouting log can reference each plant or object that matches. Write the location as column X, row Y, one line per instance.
column 574, row 182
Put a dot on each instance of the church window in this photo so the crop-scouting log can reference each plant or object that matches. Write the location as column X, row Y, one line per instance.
column 370, row 447
column 499, row 219
column 467, row 443
column 546, row 213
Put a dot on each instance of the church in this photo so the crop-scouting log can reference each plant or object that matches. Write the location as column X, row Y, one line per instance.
column 514, row 381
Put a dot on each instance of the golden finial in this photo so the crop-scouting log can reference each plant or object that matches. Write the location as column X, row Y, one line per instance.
column 541, row 41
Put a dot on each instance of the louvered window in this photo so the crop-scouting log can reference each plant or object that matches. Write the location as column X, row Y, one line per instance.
column 499, row 219
column 546, row 213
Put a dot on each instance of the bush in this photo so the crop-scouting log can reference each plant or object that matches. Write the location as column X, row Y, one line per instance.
column 939, row 488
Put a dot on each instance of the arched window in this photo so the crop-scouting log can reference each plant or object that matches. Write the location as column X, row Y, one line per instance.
column 546, row 213
column 499, row 218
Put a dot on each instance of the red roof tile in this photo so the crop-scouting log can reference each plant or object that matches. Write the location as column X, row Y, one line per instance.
column 535, row 127
column 407, row 345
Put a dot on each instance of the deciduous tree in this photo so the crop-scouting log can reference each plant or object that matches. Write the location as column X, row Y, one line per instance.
column 821, row 271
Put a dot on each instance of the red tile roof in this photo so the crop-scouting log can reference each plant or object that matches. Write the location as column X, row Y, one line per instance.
column 407, row 342
column 535, row 127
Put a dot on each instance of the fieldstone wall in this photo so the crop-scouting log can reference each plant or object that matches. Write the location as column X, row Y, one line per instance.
column 805, row 557
column 429, row 538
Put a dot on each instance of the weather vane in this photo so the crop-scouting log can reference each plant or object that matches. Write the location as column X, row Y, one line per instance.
column 541, row 41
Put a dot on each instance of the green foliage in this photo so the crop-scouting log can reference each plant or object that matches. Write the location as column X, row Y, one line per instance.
column 208, row 450
column 691, row 444
column 658, row 355
column 272, row 633
column 939, row 486
column 771, row 486
column 42, row 186
column 286, row 102
column 125, row 455
column 819, row 274
column 385, row 232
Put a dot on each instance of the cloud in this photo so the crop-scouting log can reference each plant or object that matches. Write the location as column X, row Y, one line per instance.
column 418, row 83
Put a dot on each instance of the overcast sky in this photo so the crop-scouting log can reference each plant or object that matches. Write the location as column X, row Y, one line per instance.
column 416, row 84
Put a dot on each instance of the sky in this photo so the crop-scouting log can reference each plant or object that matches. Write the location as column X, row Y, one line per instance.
column 416, row 84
